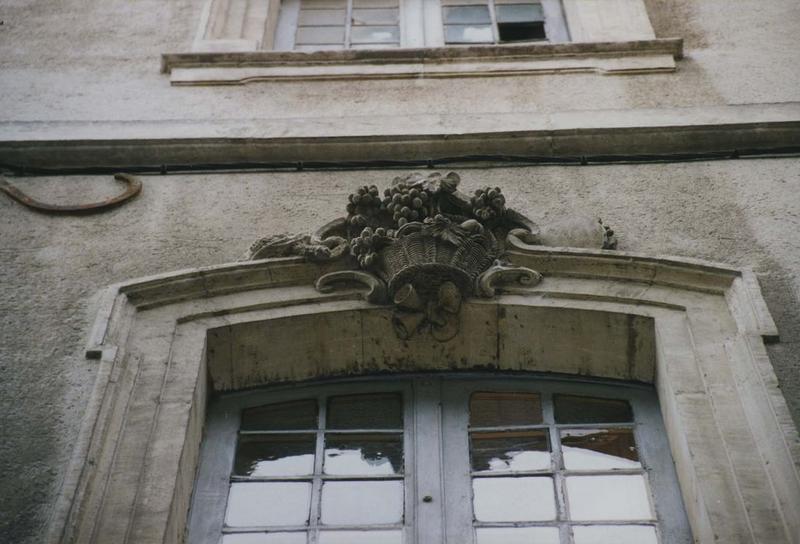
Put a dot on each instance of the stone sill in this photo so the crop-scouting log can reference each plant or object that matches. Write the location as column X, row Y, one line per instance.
column 237, row 68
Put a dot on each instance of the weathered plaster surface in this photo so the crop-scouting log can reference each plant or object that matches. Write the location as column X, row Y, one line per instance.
column 100, row 61
column 738, row 212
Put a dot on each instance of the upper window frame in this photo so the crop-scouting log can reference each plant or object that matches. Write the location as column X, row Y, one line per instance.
column 435, row 405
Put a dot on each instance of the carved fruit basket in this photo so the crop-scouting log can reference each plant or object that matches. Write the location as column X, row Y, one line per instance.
column 426, row 262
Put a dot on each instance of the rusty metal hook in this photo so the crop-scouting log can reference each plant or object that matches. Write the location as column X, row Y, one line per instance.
column 133, row 188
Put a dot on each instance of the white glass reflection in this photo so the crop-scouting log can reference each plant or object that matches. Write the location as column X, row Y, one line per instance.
column 352, row 461
column 514, row 499
column 296, row 465
column 360, row 537
column 265, row 538
column 619, row 534
column 374, row 34
column 362, row 502
column 587, row 453
column 518, row 535
column 375, row 16
column 520, row 461
column 468, row 34
column 268, row 503
column 608, row 498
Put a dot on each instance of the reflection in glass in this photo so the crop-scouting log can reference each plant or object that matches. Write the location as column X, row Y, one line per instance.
column 466, row 15
column 621, row 497
column 573, row 409
column 371, row 411
column 514, row 499
column 468, row 34
column 320, row 34
column 507, row 451
column 275, row 455
column 375, row 16
column 362, row 502
column 619, row 534
column 375, row 34
column 519, row 13
column 360, row 537
column 498, row 409
column 323, row 4
column 268, row 503
column 364, row 454
column 265, row 538
column 517, row 535
column 295, row 415
column 321, row 17
column 599, row 449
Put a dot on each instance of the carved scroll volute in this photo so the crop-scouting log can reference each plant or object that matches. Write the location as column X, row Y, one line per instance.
column 377, row 288
column 500, row 273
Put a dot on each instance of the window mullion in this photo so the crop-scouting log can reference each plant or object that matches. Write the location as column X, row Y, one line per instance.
column 316, row 486
column 458, row 481
column 429, row 502
column 558, row 475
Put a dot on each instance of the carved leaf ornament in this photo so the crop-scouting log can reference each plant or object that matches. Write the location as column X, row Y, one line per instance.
column 423, row 246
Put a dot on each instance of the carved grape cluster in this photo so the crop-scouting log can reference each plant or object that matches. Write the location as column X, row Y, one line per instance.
column 488, row 203
column 408, row 203
column 366, row 246
column 364, row 206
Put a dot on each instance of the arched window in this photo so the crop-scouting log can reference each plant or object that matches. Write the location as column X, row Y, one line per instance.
column 432, row 459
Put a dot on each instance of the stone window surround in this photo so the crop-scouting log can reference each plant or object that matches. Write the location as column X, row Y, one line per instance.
column 693, row 329
column 606, row 36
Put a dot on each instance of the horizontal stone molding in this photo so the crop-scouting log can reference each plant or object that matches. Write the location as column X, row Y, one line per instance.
column 237, row 68
column 598, row 136
column 691, row 328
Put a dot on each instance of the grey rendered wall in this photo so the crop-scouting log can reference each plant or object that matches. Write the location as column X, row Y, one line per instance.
column 99, row 60
column 739, row 212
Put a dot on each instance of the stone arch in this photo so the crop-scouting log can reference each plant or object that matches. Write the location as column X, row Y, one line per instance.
column 695, row 330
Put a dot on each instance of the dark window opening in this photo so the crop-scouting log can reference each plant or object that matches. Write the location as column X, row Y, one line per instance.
column 521, row 32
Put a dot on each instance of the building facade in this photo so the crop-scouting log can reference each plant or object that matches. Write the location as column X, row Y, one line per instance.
column 677, row 122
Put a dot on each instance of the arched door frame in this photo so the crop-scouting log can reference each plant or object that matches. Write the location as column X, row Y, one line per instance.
column 693, row 329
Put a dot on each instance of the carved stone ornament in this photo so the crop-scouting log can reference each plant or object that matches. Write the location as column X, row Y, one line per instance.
column 423, row 246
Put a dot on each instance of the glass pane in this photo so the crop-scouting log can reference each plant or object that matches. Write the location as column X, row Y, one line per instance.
column 599, row 449
column 268, row 503
column 360, row 537
column 364, row 454
column 499, row 409
column 374, row 45
column 375, row 3
column 321, row 17
column 465, row 15
column 510, row 451
column 320, row 35
column 608, row 498
column 468, row 34
column 362, row 502
column 372, row 411
column 513, row 499
column 519, row 13
column 323, row 4
column 275, row 455
column 265, row 538
column 286, row 416
column 572, row 409
column 374, row 34
column 518, row 535
column 375, row 16
column 603, row 534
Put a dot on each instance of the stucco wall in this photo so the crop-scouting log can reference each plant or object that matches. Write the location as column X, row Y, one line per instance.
column 76, row 60
column 739, row 212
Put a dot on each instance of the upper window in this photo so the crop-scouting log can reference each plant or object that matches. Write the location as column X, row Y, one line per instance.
column 438, row 460
column 317, row 25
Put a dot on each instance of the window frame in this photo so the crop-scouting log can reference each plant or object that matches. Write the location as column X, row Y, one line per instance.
column 436, row 409
column 421, row 24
